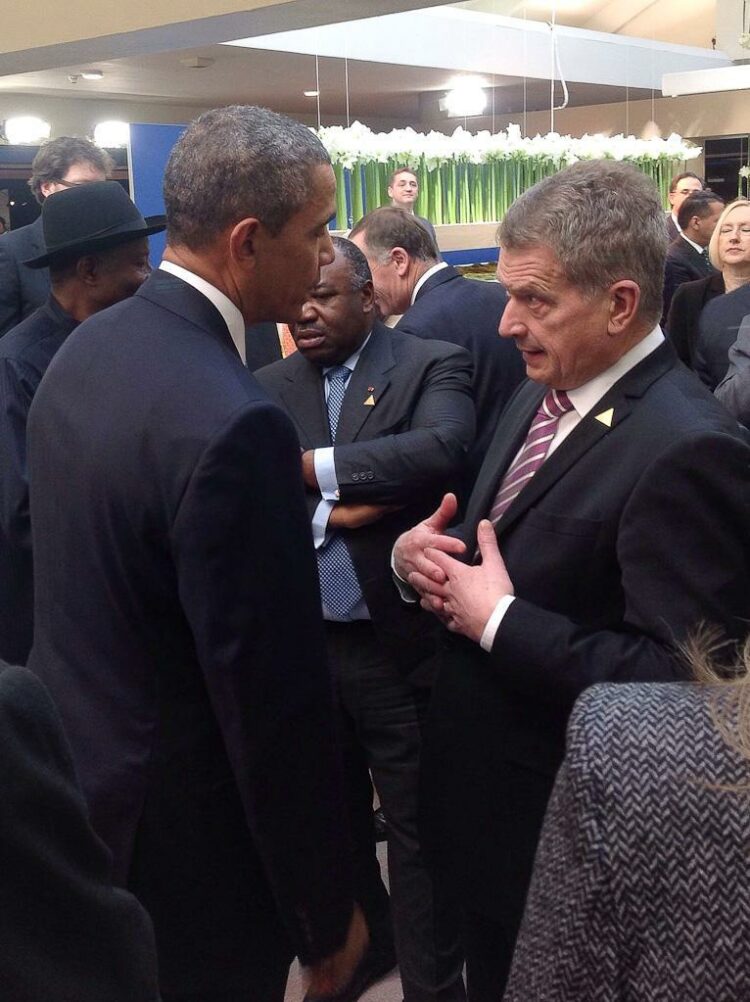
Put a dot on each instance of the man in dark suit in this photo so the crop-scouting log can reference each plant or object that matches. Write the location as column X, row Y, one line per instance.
column 89, row 271
column 687, row 256
column 610, row 519
column 65, row 932
column 60, row 163
column 438, row 302
column 406, row 422
column 680, row 187
column 177, row 616
column 403, row 191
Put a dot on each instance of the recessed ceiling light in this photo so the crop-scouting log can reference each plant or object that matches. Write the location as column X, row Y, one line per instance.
column 92, row 74
column 311, row 93
column 26, row 131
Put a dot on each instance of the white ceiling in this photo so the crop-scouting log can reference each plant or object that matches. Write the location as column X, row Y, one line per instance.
column 377, row 90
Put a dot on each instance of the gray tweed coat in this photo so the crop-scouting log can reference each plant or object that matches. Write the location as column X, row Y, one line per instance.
column 641, row 888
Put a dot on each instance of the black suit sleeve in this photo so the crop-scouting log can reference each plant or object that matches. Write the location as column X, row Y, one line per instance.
column 684, row 555
column 392, row 469
column 241, row 556
column 676, row 273
column 679, row 324
column 15, row 399
column 65, row 932
column 10, row 290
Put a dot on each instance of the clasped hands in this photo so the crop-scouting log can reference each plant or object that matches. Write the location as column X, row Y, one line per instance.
column 463, row 596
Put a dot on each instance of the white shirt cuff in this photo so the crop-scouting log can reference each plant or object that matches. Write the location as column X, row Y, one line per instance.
column 493, row 623
column 405, row 590
column 320, row 522
column 325, row 471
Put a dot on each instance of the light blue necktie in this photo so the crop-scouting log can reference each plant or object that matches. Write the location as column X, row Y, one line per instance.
column 339, row 586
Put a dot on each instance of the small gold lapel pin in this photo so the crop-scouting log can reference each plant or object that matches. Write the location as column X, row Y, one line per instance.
column 606, row 417
column 370, row 402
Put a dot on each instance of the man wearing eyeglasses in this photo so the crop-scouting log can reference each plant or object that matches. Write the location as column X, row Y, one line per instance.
column 60, row 163
column 680, row 187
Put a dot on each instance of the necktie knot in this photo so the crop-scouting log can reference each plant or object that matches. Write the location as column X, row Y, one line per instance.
column 555, row 403
column 339, row 373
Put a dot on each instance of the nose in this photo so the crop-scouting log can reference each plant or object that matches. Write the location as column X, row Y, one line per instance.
column 307, row 314
column 511, row 324
column 326, row 253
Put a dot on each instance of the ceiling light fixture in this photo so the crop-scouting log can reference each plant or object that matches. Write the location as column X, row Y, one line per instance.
column 92, row 74
column 25, row 130
column 112, row 134
column 464, row 100
column 310, row 93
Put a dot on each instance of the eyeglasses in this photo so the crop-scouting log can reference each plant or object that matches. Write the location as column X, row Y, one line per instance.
column 70, row 184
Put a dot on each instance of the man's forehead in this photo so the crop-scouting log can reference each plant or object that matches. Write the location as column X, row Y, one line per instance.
column 537, row 264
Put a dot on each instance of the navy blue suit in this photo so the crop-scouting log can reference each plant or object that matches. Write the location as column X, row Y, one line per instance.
column 22, row 289
column 177, row 624
column 25, row 354
column 467, row 312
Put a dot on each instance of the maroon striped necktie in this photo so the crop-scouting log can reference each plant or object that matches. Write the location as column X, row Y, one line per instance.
column 534, row 450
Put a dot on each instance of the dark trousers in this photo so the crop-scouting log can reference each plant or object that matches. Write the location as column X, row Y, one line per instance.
column 488, row 948
column 380, row 718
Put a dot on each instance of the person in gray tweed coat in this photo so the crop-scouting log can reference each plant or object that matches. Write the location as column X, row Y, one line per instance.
column 641, row 887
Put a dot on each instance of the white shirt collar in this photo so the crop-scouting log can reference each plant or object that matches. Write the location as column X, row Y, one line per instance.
column 585, row 398
column 428, row 274
column 693, row 244
column 232, row 317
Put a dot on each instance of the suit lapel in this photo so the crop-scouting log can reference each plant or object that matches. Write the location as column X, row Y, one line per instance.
column 367, row 385
column 304, row 398
column 603, row 419
column 443, row 275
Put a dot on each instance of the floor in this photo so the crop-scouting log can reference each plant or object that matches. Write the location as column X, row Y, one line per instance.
column 387, row 990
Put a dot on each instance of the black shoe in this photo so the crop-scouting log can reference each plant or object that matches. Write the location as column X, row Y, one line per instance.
column 374, row 965
column 381, row 825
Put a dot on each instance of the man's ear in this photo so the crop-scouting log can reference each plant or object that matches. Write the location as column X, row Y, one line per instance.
column 401, row 260
column 87, row 269
column 624, row 300
column 368, row 296
column 245, row 237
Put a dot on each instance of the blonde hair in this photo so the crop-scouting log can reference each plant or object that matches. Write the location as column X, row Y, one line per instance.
column 729, row 683
column 713, row 245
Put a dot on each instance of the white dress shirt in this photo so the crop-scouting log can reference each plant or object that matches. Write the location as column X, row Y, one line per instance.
column 428, row 274
column 232, row 317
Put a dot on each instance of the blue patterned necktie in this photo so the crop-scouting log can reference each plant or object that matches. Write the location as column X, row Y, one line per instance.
column 339, row 586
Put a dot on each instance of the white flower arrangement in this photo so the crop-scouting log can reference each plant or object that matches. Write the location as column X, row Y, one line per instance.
column 469, row 177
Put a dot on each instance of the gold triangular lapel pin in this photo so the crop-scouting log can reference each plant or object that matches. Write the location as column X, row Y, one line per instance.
column 606, row 417
column 370, row 402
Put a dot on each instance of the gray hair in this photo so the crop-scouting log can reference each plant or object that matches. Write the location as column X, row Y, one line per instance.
column 57, row 156
column 604, row 222
column 390, row 227
column 237, row 162
column 358, row 266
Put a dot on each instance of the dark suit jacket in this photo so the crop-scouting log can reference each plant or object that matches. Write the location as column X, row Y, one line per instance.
column 22, row 289
column 405, row 450
column 684, row 313
column 261, row 345
column 467, row 312
column 718, row 327
column 734, row 389
column 684, row 264
column 644, row 850
column 25, row 354
column 65, row 932
column 672, row 231
column 627, row 539
column 177, row 624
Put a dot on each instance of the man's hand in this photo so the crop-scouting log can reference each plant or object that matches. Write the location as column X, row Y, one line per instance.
column 409, row 552
column 354, row 516
column 468, row 596
column 333, row 973
column 308, row 470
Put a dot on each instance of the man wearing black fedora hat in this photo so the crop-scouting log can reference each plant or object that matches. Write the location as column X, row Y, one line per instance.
column 97, row 254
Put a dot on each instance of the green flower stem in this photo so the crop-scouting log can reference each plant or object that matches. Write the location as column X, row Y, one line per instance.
column 342, row 214
column 358, row 207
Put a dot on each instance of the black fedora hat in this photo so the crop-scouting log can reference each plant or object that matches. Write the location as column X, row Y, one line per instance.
column 88, row 218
